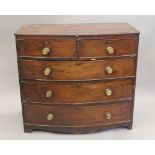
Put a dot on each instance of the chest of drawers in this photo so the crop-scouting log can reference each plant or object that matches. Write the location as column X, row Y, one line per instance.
column 77, row 78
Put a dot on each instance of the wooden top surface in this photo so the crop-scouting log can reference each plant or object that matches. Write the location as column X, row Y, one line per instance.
column 77, row 29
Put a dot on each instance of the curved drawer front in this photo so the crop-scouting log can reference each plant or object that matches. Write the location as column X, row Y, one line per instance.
column 76, row 70
column 98, row 48
column 77, row 115
column 57, row 47
column 76, row 92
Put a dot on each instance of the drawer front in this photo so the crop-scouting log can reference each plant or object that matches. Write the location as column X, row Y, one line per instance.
column 76, row 92
column 38, row 48
column 77, row 115
column 98, row 48
column 76, row 70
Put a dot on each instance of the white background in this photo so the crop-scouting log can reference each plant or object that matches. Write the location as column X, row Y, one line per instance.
column 11, row 125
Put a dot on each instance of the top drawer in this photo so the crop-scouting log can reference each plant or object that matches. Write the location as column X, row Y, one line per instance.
column 57, row 47
column 108, row 47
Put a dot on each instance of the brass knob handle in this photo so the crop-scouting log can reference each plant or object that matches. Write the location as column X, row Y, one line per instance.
column 45, row 51
column 49, row 93
column 109, row 70
column 108, row 115
column 50, row 117
column 108, row 92
column 47, row 71
column 110, row 50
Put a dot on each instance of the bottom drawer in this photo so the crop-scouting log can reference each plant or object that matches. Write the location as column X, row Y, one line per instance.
column 77, row 115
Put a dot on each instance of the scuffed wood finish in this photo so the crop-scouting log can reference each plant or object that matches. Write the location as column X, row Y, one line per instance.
column 77, row 116
column 98, row 47
column 59, row 47
column 76, row 29
column 76, row 92
column 78, row 59
column 76, row 70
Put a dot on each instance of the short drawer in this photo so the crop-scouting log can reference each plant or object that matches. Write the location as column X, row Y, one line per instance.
column 76, row 70
column 107, row 48
column 76, row 92
column 77, row 115
column 65, row 47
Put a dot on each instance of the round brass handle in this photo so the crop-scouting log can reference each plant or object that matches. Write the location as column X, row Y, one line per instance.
column 108, row 115
column 49, row 93
column 108, row 92
column 109, row 70
column 47, row 71
column 110, row 50
column 50, row 117
column 45, row 51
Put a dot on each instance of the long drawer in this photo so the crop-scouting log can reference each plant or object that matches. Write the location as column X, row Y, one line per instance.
column 76, row 70
column 77, row 115
column 76, row 92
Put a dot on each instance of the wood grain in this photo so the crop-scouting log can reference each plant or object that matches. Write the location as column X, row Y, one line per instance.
column 98, row 48
column 76, row 70
column 78, row 59
column 77, row 29
column 59, row 47
column 76, row 92
column 77, row 115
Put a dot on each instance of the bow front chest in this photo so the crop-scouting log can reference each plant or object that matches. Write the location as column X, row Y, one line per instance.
column 77, row 78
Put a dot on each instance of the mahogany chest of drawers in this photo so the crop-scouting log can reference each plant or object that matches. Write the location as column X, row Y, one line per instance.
column 77, row 78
